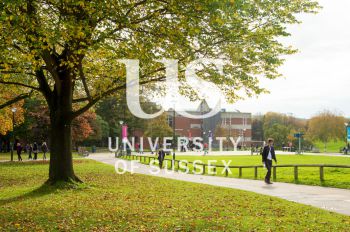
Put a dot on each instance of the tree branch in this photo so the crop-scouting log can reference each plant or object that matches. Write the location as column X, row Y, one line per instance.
column 84, row 99
column 19, row 84
column 44, row 87
column 83, row 79
column 16, row 99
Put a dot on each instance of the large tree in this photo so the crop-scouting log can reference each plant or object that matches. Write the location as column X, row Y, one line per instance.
column 67, row 50
column 326, row 126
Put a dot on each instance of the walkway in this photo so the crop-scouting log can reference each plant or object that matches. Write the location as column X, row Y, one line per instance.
column 332, row 199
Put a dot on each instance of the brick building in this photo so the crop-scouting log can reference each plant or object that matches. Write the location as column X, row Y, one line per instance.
column 234, row 123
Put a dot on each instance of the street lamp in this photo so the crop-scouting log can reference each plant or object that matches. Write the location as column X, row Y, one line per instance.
column 174, row 115
column 121, row 122
column 14, row 110
column 244, row 130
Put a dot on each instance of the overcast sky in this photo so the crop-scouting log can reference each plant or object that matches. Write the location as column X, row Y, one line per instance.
column 314, row 79
column 318, row 77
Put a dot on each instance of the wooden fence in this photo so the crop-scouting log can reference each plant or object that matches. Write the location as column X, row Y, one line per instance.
column 176, row 163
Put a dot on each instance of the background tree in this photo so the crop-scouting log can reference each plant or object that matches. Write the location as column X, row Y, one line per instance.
column 158, row 127
column 258, row 128
column 68, row 51
column 114, row 109
column 6, row 113
column 36, row 125
column 221, row 131
column 326, row 126
column 100, row 134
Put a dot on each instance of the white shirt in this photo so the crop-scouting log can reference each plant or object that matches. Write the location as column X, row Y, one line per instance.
column 269, row 156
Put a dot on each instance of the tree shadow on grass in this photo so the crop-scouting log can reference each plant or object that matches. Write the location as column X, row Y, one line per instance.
column 43, row 190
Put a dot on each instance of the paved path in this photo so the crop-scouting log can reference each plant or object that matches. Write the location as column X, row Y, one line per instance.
column 332, row 199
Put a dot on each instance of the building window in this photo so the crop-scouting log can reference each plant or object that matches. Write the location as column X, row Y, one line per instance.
column 195, row 126
column 170, row 121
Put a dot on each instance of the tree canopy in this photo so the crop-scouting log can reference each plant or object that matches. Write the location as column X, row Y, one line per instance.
column 326, row 126
column 40, row 40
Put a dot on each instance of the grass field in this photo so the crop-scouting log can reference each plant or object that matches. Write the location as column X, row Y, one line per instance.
column 111, row 202
column 333, row 146
column 334, row 177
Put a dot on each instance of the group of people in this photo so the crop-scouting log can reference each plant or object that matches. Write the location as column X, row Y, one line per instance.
column 31, row 149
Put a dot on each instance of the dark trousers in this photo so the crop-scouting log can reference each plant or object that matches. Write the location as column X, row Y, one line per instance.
column 160, row 163
column 19, row 156
column 268, row 164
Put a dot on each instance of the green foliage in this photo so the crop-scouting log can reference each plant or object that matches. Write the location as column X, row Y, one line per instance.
column 142, row 203
column 278, row 132
column 158, row 127
column 114, row 109
column 282, row 127
column 82, row 40
column 326, row 126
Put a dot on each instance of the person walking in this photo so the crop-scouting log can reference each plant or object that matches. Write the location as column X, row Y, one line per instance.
column 19, row 151
column 35, row 150
column 44, row 149
column 30, row 150
column 205, row 148
column 161, row 156
column 267, row 156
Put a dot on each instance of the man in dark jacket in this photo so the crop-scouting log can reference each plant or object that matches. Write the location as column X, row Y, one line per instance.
column 267, row 156
column 161, row 156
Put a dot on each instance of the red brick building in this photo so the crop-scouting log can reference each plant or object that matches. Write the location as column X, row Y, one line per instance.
column 235, row 124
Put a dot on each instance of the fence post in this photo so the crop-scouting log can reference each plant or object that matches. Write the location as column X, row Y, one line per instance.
column 240, row 172
column 256, row 172
column 295, row 173
column 274, row 173
column 321, row 173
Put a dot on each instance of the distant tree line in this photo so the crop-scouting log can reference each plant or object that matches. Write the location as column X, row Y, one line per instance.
column 325, row 127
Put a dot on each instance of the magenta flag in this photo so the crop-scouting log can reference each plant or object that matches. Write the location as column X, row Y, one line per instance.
column 124, row 132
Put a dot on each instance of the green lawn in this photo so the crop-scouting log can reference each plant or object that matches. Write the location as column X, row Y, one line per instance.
column 333, row 146
column 111, row 202
column 7, row 156
column 334, row 177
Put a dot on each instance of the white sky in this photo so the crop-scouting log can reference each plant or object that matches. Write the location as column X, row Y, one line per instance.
column 316, row 78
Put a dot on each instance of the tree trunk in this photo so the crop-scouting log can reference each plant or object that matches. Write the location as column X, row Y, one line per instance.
column 61, row 161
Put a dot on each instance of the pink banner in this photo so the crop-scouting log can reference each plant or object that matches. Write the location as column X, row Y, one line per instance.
column 124, row 132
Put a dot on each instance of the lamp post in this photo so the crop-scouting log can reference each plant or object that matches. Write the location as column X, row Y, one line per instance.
column 244, row 130
column 174, row 115
column 121, row 122
column 14, row 110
